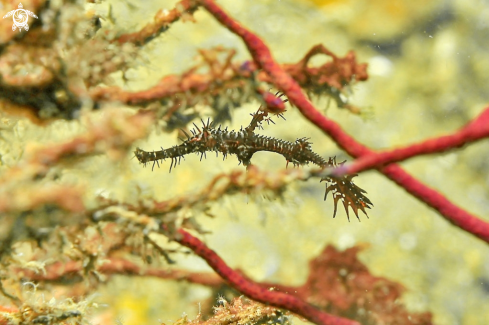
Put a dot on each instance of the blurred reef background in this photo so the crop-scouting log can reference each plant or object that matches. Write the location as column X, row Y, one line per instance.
column 428, row 68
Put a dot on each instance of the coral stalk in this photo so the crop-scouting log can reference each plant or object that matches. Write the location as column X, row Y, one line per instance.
column 113, row 265
column 476, row 130
column 161, row 22
column 255, row 291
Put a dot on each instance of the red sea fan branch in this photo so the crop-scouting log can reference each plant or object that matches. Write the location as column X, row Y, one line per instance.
column 476, row 130
column 263, row 58
column 255, row 291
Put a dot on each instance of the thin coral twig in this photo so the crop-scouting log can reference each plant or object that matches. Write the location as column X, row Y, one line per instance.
column 476, row 130
column 113, row 265
column 255, row 291
column 263, row 58
column 226, row 75
column 162, row 20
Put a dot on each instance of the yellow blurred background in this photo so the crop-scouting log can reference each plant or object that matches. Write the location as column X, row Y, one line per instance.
column 429, row 72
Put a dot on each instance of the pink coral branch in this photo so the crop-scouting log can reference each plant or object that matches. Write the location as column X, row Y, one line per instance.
column 254, row 290
column 113, row 265
column 476, row 130
column 283, row 81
